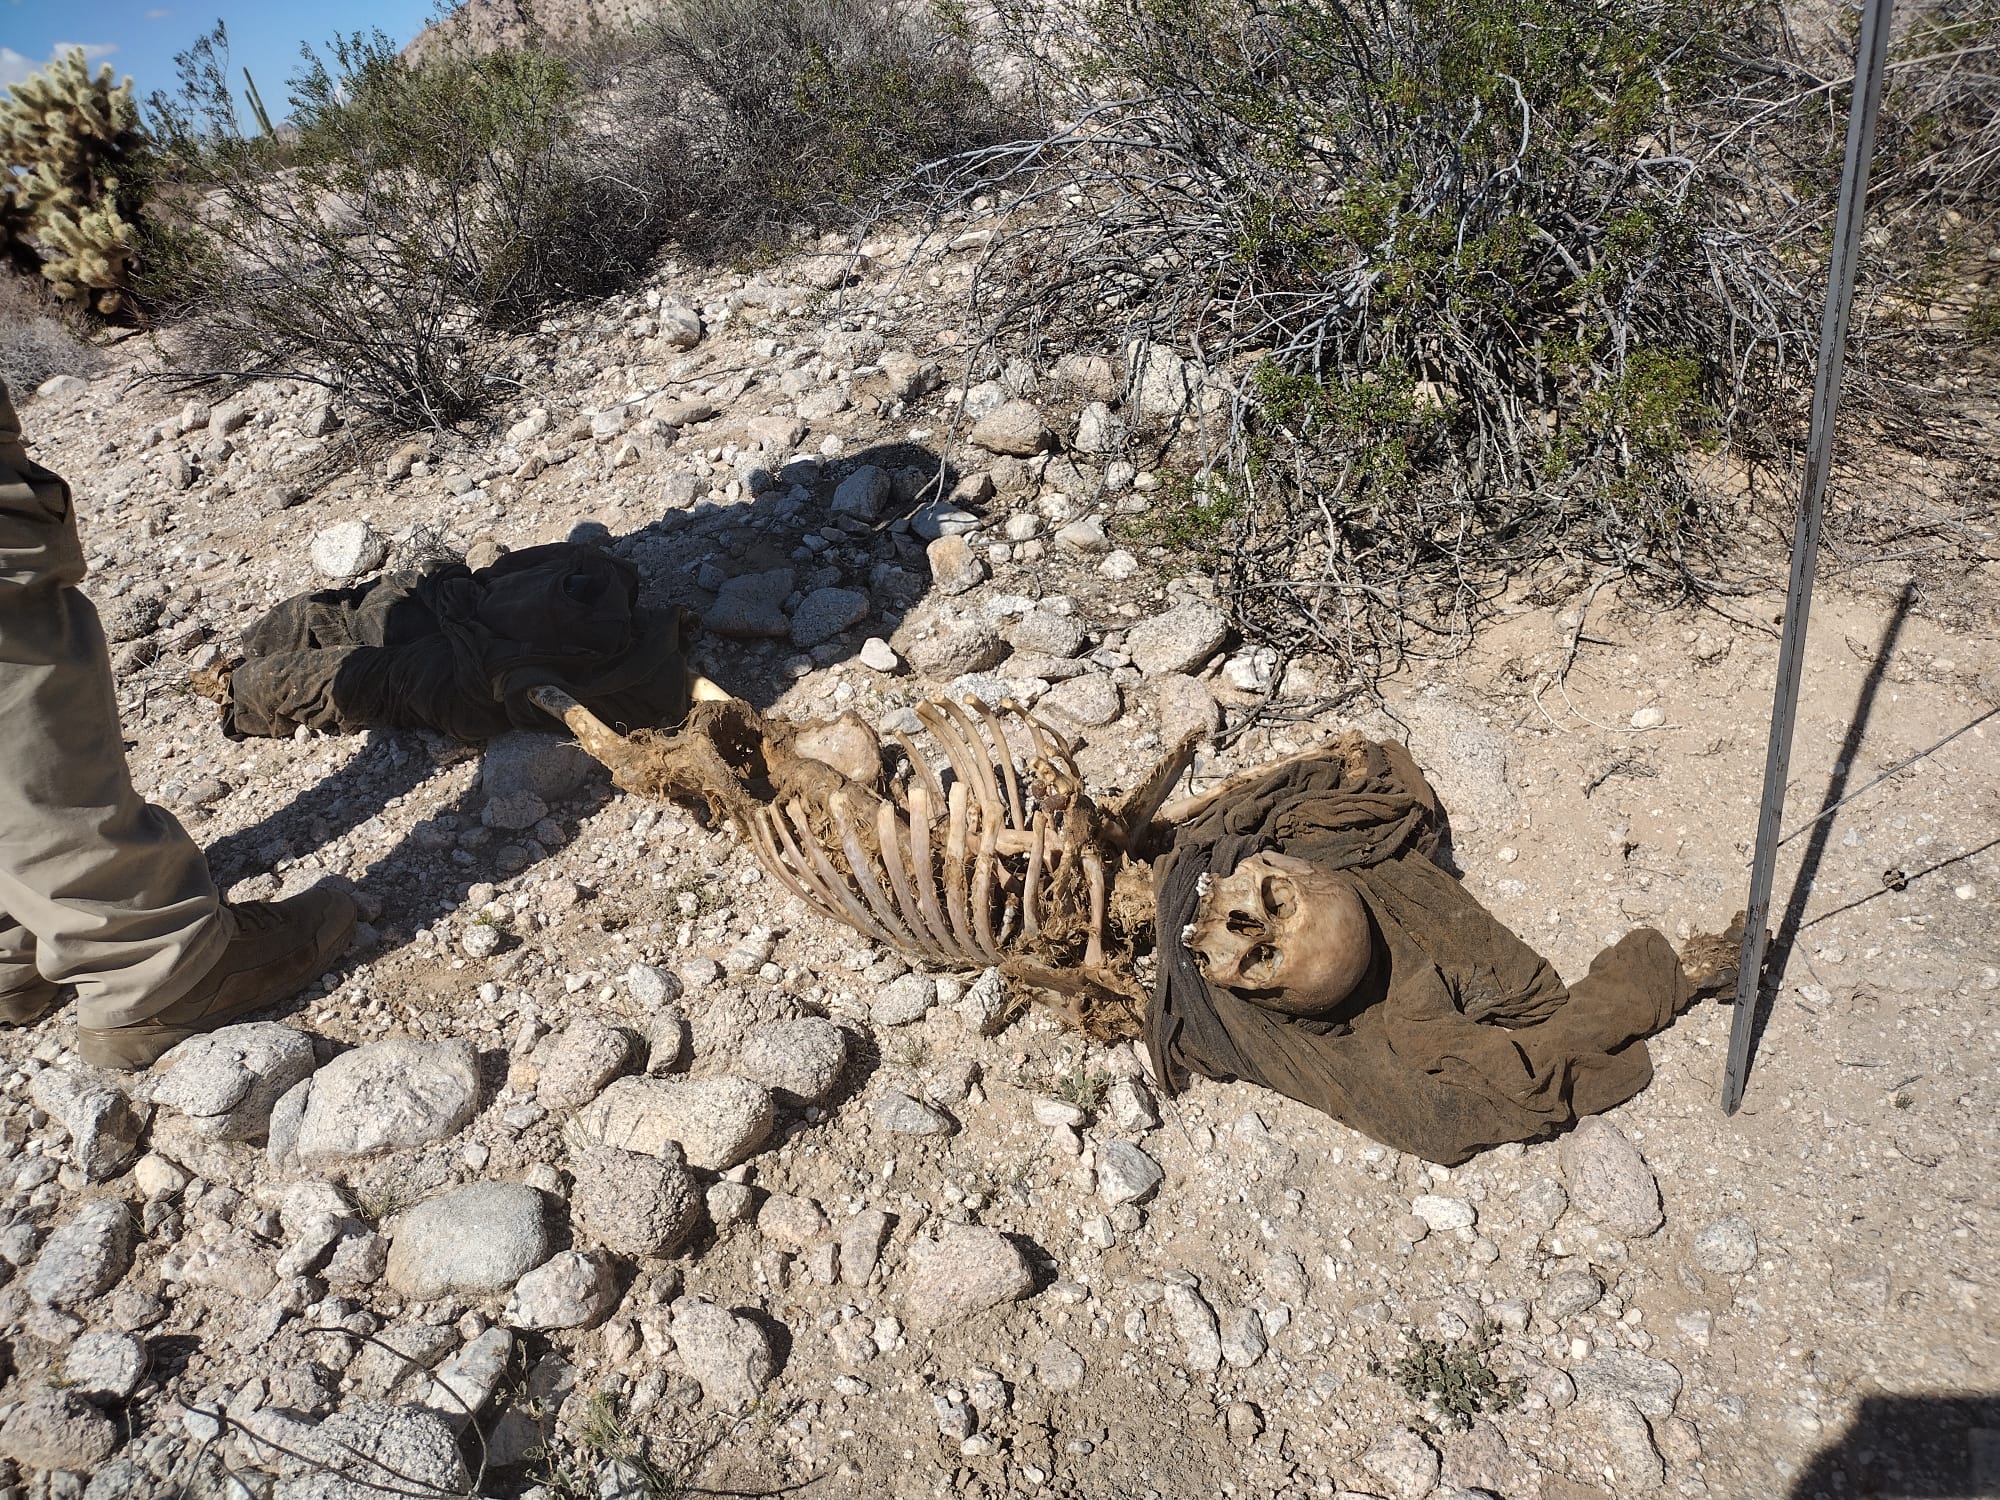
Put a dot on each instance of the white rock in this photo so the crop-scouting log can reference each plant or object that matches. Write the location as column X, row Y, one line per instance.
column 227, row 1082
column 729, row 1355
column 652, row 987
column 1099, row 430
column 1443, row 1214
column 1609, row 1181
column 373, row 1451
column 1404, row 1462
column 1650, row 717
column 466, row 1382
column 903, row 1000
column 104, row 1366
column 717, row 1121
column 530, row 427
column 580, row 1061
column 799, row 1060
column 899, row 1114
column 1178, row 641
column 679, row 327
column 966, row 1270
column 1195, row 1322
column 878, row 655
column 984, row 1007
column 102, row 1124
column 1014, row 428
column 386, row 1096
column 1126, row 1174
column 348, row 550
column 569, row 1290
column 1242, row 1337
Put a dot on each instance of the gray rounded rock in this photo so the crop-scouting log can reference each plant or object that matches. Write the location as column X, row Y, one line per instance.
column 226, row 1083
column 374, row 1451
column 1727, row 1246
column 636, row 1206
column 472, row 1241
column 825, row 613
column 546, row 766
column 801, row 1060
column 85, row 1257
column 717, row 1122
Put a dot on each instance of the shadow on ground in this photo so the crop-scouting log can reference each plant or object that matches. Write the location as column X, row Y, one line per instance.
column 1910, row 1448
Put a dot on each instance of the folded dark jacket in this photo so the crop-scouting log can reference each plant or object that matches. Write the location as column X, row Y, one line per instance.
column 455, row 650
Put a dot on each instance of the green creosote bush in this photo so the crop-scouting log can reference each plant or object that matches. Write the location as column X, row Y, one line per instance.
column 71, row 171
column 1477, row 278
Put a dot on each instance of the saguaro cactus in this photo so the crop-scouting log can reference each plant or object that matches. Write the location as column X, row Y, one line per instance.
column 68, row 140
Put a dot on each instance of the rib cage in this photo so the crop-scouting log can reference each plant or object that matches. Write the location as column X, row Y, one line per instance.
column 986, row 851
column 986, row 858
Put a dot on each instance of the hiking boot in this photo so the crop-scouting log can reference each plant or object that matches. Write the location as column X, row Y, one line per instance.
column 25, row 1004
column 276, row 948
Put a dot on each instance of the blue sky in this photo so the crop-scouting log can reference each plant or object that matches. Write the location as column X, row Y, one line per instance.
column 140, row 37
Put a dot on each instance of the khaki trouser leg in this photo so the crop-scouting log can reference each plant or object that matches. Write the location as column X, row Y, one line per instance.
column 17, row 956
column 115, row 894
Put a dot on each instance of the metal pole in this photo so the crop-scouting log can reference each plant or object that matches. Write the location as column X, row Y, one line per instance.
column 1869, row 59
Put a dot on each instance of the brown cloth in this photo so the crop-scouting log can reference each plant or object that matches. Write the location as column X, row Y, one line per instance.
column 455, row 650
column 1461, row 1037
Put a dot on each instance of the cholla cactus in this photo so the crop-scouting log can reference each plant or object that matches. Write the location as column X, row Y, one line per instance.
column 67, row 141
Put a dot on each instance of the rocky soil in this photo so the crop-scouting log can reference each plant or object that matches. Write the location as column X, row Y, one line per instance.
column 599, row 1166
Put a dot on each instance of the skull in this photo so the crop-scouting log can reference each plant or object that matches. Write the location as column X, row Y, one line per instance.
column 1282, row 933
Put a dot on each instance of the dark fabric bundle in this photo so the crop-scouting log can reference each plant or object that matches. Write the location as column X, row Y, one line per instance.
column 455, row 650
column 1461, row 1037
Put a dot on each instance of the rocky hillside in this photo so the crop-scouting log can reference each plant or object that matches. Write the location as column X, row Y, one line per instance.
column 600, row 1167
column 496, row 25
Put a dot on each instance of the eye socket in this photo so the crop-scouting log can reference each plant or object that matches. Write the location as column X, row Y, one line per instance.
column 1281, row 897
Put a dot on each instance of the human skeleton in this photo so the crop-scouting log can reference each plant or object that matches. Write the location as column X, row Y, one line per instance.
column 984, row 848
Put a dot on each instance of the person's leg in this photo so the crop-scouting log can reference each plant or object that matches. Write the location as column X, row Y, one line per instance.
column 117, row 896
column 25, row 997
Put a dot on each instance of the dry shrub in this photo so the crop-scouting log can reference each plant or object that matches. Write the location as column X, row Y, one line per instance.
column 804, row 114
column 36, row 344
